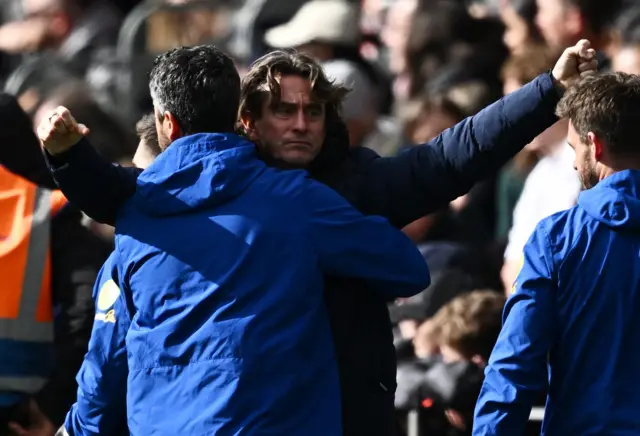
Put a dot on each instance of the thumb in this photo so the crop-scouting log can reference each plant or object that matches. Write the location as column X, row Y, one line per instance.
column 583, row 49
column 83, row 130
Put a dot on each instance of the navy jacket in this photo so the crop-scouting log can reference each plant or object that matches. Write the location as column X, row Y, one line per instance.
column 220, row 326
column 402, row 189
column 572, row 322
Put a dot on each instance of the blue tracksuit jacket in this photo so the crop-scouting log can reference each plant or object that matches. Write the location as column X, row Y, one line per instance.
column 210, row 311
column 572, row 322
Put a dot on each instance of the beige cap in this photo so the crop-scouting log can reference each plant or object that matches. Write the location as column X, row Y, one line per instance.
column 331, row 21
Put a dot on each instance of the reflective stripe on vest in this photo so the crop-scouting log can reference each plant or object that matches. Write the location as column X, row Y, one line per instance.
column 62, row 431
column 29, row 315
column 26, row 310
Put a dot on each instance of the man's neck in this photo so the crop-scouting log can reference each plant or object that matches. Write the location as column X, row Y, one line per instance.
column 621, row 164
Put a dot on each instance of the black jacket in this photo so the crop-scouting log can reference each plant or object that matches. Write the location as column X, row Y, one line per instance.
column 404, row 188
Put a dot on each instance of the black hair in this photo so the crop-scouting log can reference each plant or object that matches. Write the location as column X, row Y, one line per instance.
column 200, row 86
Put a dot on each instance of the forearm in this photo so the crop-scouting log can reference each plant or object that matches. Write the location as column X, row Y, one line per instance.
column 92, row 184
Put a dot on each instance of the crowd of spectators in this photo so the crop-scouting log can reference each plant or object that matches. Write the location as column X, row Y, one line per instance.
column 415, row 67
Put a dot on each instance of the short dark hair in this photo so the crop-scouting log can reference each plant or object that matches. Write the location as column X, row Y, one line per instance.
column 607, row 104
column 260, row 83
column 200, row 86
column 146, row 130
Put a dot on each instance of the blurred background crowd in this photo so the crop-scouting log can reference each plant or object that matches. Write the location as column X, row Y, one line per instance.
column 416, row 68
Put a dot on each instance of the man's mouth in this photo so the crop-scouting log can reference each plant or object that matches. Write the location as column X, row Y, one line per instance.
column 304, row 144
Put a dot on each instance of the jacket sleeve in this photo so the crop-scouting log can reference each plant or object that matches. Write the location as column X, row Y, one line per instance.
column 427, row 177
column 92, row 184
column 517, row 370
column 352, row 245
column 100, row 408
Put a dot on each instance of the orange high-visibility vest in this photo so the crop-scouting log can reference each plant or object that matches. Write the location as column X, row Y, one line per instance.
column 26, row 311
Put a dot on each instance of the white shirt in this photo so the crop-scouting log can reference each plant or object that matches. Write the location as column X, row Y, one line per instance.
column 552, row 186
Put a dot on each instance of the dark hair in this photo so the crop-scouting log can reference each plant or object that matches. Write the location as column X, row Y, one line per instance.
column 260, row 84
column 599, row 14
column 146, row 130
column 200, row 86
column 608, row 105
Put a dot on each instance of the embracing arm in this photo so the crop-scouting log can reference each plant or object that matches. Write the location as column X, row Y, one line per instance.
column 350, row 244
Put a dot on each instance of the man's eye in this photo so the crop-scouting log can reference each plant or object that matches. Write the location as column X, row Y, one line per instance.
column 315, row 112
column 284, row 110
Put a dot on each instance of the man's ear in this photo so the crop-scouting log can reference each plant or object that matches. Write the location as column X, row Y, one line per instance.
column 598, row 146
column 171, row 126
column 248, row 124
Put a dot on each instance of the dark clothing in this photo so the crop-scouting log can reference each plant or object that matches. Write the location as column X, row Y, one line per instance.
column 18, row 413
column 77, row 255
column 403, row 189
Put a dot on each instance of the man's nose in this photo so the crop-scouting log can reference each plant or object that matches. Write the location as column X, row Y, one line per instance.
column 301, row 123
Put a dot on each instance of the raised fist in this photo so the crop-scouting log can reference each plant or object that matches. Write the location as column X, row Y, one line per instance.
column 60, row 131
column 574, row 63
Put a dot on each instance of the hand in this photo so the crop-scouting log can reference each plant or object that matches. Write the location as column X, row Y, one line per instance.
column 456, row 420
column 40, row 424
column 26, row 36
column 575, row 62
column 60, row 131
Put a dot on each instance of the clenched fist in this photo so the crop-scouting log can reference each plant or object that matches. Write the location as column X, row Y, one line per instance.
column 575, row 62
column 60, row 131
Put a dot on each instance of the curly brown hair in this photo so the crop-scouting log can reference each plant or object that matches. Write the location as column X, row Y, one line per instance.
column 608, row 105
column 470, row 323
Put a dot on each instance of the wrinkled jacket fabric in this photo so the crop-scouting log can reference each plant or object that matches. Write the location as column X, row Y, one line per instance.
column 572, row 322
column 211, row 318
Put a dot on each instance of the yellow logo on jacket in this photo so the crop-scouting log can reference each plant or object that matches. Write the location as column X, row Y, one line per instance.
column 109, row 293
column 520, row 266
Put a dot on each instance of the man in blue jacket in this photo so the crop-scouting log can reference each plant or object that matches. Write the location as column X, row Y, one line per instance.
column 211, row 318
column 572, row 321
column 292, row 133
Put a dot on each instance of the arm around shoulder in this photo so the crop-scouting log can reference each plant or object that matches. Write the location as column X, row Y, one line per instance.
column 353, row 245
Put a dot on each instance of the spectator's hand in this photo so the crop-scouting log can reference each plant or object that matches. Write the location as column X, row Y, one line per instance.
column 456, row 420
column 27, row 36
column 40, row 424
column 574, row 63
column 60, row 131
